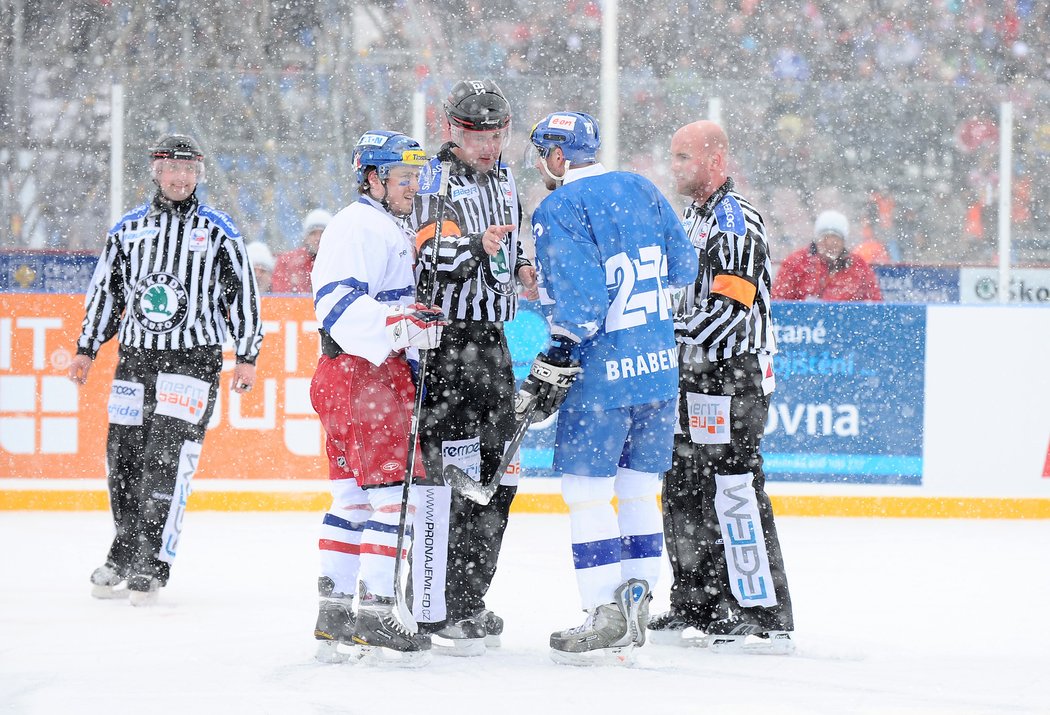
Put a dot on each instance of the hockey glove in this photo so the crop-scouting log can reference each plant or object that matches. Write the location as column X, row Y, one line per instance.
column 548, row 383
column 416, row 326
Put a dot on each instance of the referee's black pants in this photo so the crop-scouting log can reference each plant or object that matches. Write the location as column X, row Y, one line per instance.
column 700, row 559
column 470, row 393
column 152, row 460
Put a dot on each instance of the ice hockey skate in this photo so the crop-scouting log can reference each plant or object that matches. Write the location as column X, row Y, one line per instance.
column 734, row 635
column 611, row 632
column 493, row 625
column 463, row 638
column 107, row 581
column 381, row 638
column 143, row 590
column 676, row 629
column 335, row 623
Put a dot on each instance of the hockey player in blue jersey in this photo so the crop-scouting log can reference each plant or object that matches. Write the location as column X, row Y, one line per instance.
column 609, row 248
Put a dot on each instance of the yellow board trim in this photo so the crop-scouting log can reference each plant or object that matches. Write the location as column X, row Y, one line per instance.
column 895, row 507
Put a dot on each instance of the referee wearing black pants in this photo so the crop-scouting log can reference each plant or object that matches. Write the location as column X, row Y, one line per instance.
column 173, row 281
column 729, row 577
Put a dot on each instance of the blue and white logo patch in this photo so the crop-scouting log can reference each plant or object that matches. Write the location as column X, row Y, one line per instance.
column 730, row 216
column 430, row 178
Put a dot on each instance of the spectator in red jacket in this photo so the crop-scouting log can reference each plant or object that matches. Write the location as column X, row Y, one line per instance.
column 292, row 273
column 825, row 270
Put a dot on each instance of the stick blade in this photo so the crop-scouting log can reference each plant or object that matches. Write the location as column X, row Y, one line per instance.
column 461, row 482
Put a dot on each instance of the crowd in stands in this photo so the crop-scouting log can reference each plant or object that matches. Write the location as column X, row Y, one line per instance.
column 886, row 109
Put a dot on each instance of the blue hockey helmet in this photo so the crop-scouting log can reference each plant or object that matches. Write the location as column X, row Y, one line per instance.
column 575, row 132
column 382, row 150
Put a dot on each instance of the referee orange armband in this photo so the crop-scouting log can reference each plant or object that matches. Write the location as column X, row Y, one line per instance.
column 739, row 289
column 448, row 228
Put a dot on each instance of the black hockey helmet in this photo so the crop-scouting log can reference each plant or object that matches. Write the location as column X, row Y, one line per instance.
column 477, row 105
column 176, row 146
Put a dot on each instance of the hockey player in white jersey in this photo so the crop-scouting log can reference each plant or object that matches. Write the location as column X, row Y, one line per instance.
column 609, row 248
column 363, row 391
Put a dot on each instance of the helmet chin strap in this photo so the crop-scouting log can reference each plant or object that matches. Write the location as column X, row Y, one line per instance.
column 558, row 180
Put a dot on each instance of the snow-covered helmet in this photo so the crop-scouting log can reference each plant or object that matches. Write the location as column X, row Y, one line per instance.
column 575, row 133
column 382, row 150
column 477, row 105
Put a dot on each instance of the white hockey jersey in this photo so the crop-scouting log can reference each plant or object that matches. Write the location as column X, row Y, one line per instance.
column 363, row 266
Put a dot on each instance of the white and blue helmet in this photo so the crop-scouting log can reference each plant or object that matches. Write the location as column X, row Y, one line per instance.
column 382, row 150
column 575, row 132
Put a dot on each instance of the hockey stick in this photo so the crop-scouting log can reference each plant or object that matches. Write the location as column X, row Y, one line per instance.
column 404, row 612
column 483, row 491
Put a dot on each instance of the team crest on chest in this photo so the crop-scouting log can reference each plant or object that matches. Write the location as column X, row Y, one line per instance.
column 198, row 239
column 160, row 303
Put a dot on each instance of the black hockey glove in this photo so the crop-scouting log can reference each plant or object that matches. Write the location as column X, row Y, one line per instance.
column 549, row 380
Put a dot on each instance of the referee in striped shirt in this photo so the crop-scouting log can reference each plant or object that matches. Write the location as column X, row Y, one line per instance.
column 729, row 579
column 468, row 407
column 173, row 280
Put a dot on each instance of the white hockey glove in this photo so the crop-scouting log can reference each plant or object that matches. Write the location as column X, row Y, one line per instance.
column 416, row 326
column 548, row 383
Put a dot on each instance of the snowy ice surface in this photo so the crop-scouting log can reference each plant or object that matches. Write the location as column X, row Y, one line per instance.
column 893, row 616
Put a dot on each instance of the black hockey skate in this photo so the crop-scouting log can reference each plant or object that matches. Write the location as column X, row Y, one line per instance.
column 673, row 627
column 380, row 636
column 108, row 581
column 143, row 590
column 462, row 638
column 737, row 635
column 335, row 622
column 611, row 630
column 493, row 627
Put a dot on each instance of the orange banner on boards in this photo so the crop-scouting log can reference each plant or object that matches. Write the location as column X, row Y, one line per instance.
column 52, row 428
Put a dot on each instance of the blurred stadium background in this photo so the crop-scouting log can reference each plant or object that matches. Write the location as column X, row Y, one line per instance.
column 885, row 108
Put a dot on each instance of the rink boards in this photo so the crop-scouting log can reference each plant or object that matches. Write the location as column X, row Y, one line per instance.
column 895, row 410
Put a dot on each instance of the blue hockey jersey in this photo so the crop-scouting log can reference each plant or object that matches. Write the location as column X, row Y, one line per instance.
column 609, row 247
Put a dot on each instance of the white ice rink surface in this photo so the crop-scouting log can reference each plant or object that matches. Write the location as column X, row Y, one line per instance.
column 893, row 616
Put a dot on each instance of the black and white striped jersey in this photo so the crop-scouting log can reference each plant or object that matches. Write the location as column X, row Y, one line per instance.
column 472, row 285
column 171, row 279
column 727, row 311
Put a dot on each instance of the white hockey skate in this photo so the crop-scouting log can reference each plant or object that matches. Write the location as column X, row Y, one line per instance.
column 107, row 582
column 730, row 635
column 143, row 590
column 465, row 638
column 611, row 632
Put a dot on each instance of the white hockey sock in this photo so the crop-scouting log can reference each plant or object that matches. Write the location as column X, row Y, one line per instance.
column 641, row 525
column 379, row 539
column 596, row 543
column 340, row 539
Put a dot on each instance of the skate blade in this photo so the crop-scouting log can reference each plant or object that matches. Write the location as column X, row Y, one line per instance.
column 143, row 599
column 376, row 656
column 328, row 652
column 689, row 638
column 751, row 645
column 493, row 641
column 458, row 647
column 619, row 656
column 109, row 592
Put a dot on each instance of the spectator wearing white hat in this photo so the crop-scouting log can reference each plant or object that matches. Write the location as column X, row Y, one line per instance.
column 263, row 262
column 292, row 274
column 826, row 270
